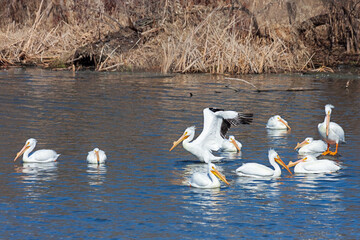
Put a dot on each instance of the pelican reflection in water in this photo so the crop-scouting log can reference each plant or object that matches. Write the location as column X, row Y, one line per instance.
column 96, row 173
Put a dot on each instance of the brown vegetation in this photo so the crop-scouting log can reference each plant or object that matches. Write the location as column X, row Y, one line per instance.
column 172, row 36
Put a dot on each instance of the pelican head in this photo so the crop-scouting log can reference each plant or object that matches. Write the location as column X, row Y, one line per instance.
column 213, row 170
column 280, row 119
column 308, row 158
column 188, row 133
column 328, row 110
column 305, row 142
column 96, row 150
column 274, row 156
column 232, row 140
column 30, row 143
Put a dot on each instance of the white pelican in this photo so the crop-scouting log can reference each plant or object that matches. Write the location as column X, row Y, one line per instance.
column 309, row 145
column 209, row 179
column 259, row 170
column 231, row 145
column 96, row 156
column 43, row 155
column 331, row 132
column 277, row 122
column 216, row 124
column 309, row 164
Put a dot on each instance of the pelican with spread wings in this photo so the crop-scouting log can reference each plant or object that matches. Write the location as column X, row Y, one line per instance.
column 216, row 124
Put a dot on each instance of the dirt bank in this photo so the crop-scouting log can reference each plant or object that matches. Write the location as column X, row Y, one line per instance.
column 234, row 37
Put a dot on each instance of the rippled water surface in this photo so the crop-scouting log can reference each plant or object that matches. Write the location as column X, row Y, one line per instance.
column 142, row 191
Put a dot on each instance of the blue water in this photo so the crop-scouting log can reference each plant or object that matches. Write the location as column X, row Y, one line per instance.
column 142, row 191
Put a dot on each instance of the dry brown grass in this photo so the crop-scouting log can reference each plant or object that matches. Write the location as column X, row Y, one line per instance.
column 216, row 46
column 39, row 43
column 27, row 45
column 200, row 40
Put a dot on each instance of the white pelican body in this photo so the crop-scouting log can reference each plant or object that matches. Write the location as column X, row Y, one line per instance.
column 259, row 170
column 43, row 155
column 209, row 179
column 277, row 122
column 216, row 124
column 331, row 132
column 231, row 145
column 310, row 164
column 96, row 156
column 309, row 145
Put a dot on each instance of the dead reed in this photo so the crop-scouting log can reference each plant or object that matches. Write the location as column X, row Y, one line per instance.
column 195, row 40
column 36, row 42
column 215, row 45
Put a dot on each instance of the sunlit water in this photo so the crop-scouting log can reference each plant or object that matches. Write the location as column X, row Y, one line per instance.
column 142, row 191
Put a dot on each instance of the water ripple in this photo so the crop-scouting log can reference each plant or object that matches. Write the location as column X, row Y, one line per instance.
column 142, row 191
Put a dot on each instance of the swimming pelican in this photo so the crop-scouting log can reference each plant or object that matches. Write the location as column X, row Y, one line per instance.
column 216, row 124
column 43, row 155
column 309, row 145
column 96, row 156
column 259, row 170
column 331, row 132
column 309, row 164
column 277, row 122
column 209, row 179
column 231, row 145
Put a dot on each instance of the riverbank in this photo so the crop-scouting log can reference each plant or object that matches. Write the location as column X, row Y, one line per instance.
column 175, row 36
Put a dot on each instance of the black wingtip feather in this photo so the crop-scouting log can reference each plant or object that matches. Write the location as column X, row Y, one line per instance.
column 246, row 118
column 243, row 118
